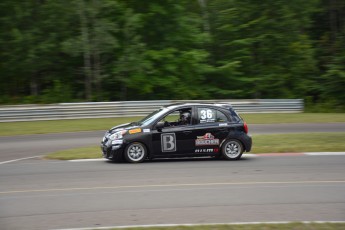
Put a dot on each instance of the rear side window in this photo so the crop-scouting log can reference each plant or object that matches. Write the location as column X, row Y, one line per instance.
column 234, row 116
column 221, row 117
column 208, row 115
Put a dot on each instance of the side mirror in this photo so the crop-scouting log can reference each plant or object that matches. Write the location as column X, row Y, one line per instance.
column 160, row 125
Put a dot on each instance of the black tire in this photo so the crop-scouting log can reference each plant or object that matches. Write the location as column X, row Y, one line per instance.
column 135, row 152
column 232, row 150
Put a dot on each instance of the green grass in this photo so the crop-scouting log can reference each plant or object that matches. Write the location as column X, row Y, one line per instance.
column 301, row 142
column 275, row 118
column 277, row 143
column 58, row 126
column 90, row 152
column 290, row 226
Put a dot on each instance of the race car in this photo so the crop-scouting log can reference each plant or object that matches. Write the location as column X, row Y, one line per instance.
column 180, row 130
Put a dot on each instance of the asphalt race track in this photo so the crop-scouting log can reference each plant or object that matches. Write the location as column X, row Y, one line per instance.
column 36, row 194
column 43, row 194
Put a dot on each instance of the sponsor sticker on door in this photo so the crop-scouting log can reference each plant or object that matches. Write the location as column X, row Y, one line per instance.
column 215, row 150
column 207, row 139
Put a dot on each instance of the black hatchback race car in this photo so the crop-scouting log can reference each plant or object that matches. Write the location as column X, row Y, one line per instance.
column 180, row 130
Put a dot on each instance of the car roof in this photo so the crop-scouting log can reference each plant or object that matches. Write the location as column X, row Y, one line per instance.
column 176, row 105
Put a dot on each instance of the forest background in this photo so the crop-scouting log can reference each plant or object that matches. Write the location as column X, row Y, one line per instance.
column 108, row 50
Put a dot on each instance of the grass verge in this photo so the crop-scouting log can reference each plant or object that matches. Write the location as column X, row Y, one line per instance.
column 289, row 226
column 276, row 118
column 58, row 126
column 273, row 143
column 90, row 152
column 301, row 142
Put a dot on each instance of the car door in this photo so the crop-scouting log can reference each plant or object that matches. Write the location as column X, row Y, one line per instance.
column 210, row 130
column 173, row 139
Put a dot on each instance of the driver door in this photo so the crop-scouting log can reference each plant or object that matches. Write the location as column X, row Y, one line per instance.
column 174, row 138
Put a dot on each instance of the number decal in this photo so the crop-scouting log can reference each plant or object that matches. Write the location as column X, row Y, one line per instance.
column 207, row 115
column 203, row 114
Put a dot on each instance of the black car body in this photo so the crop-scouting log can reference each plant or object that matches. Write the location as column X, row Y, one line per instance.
column 208, row 130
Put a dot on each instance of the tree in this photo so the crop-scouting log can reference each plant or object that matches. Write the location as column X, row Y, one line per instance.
column 329, row 32
column 257, row 46
column 174, row 58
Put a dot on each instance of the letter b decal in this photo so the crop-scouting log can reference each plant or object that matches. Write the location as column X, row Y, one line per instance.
column 168, row 141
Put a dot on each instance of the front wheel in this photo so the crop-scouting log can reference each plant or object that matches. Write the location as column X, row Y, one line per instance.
column 135, row 152
column 232, row 150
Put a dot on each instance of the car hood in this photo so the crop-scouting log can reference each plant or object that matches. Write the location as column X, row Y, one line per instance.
column 126, row 126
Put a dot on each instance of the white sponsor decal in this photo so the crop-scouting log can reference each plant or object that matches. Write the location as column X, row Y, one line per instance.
column 146, row 130
column 204, row 150
column 168, row 142
column 223, row 124
column 117, row 142
column 207, row 139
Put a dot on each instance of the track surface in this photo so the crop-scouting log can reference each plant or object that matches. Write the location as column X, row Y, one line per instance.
column 38, row 194
column 33, row 145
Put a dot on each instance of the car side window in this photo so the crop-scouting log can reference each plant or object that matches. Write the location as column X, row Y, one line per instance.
column 208, row 115
column 221, row 117
column 178, row 118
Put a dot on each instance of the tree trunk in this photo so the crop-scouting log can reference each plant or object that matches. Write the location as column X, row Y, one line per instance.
column 86, row 51
column 96, row 54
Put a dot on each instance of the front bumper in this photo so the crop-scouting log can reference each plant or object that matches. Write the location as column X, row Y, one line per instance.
column 111, row 148
column 109, row 152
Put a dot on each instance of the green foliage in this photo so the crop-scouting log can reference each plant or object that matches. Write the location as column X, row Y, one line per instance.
column 86, row 50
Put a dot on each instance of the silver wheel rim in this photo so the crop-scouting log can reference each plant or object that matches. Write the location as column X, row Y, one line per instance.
column 136, row 152
column 233, row 149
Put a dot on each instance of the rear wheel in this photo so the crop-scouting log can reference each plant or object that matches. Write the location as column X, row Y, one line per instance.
column 232, row 150
column 135, row 152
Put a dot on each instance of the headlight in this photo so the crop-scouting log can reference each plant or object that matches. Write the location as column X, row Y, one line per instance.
column 117, row 135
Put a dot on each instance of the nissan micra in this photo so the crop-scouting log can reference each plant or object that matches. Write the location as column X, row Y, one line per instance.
column 180, row 130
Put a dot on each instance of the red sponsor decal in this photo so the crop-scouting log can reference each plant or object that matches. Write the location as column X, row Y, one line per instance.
column 207, row 139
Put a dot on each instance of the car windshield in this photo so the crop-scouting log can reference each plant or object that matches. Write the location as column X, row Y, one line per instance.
column 152, row 117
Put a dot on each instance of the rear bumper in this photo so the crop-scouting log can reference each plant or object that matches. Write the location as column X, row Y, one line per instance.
column 247, row 141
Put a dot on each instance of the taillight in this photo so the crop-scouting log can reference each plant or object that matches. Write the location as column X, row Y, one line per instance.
column 245, row 126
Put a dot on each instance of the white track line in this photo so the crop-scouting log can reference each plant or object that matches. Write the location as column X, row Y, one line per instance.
column 19, row 159
column 171, row 186
column 246, row 155
column 88, row 160
column 325, row 154
column 249, row 155
column 206, row 224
